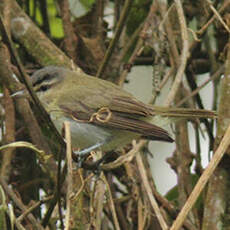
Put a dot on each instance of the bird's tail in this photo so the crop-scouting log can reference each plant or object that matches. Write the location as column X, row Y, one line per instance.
column 184, row 112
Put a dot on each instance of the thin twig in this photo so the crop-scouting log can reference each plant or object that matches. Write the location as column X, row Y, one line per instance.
column 69, row 174
column 222, row 148
column 149, row 192
column 19, row 225
column 83, row 183
column 9, row 135
column 216, row 75
column 184, row 54
column 203, row 29
column 124, row 158
column 58, row 188
column 140, row 208
column 19, row 204
column 219, row 17
column 112, row 206
column 194, row 35
column 112, row 44
column 98, row 203
column 30, row 209
column 70, row 39
column 135, row 37
column 162, row 84
column 136, row 52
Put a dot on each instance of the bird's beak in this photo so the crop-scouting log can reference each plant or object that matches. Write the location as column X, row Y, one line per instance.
column 19, row 94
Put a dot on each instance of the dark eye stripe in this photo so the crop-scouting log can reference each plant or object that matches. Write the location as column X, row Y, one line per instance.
column 45, row 85
column 43, row 88
column 42, row 79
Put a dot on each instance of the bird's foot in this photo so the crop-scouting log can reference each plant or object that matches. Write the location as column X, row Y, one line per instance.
column 83, row 154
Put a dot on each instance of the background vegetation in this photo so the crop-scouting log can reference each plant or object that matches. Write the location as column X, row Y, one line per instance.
column 180, row 40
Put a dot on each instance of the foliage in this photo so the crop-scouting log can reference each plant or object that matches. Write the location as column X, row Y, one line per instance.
column 42, row 188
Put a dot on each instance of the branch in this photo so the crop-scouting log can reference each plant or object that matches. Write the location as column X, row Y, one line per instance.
column 223, row 146
column 112, row 44
column 19, row 204
column 149, row 193
column 69, row 174
column 184, row 54
column 35, row 41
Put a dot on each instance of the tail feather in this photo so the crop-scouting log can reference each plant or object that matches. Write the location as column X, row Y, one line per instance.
column 183, row 112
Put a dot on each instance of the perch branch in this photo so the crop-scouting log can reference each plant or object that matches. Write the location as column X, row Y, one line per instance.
column 69, row 173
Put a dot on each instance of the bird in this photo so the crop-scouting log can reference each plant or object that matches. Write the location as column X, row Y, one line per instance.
column 102, row 115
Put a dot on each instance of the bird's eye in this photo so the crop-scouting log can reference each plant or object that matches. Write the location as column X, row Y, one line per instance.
column 44, row 88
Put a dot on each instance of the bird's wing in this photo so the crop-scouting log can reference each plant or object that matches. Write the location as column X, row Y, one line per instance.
column 96, row 93
column 104, row 104
column 116, row 119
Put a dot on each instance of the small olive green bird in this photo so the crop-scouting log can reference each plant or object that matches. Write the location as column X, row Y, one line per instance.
column 101, row 114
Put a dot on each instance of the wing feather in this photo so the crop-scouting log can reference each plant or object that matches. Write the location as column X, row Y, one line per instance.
column 117, row 120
